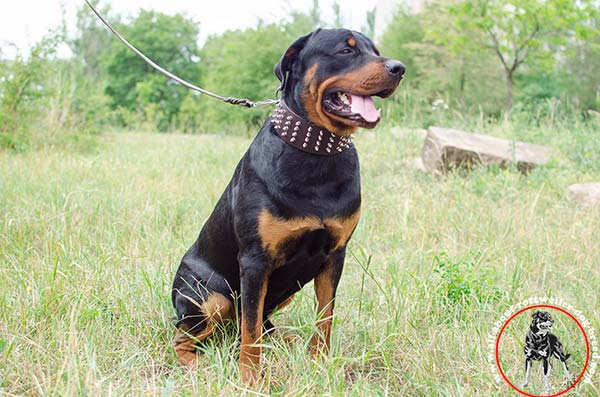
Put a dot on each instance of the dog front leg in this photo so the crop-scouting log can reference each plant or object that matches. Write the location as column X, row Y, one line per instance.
column 326, row 284
column 547, row 367
column 254, row 278
column 527, row 372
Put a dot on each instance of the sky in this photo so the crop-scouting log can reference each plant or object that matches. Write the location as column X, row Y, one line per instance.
column 24, row 22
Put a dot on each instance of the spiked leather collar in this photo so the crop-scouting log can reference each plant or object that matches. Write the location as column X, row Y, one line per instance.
column 306, row 136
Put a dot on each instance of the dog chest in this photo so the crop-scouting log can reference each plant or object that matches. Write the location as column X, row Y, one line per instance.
column 279, row 236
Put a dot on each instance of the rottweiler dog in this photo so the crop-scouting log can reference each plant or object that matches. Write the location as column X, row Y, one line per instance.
column 293, row 202
column 540, row 344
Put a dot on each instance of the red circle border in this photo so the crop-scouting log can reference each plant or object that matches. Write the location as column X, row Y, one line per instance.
column 587, row 347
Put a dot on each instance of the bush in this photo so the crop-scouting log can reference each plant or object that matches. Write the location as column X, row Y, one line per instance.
column 170, row 41
column 46, row 101
column 463, row 280
column 21, row 88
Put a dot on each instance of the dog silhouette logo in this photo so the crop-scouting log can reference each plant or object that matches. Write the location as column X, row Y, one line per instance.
column 541, row 345
column 556, row 342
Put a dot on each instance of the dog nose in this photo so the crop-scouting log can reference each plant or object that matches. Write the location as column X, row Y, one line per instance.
column 395, row 68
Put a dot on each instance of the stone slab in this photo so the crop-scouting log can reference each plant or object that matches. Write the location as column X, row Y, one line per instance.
column 446, row 149
column 587, row 194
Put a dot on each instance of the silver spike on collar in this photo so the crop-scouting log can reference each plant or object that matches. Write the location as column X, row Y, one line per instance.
column 306, row 136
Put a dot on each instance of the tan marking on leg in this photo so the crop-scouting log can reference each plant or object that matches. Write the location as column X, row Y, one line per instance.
column 342, row 228
column 185, row 345
column 215, row 308
column 251, row 350
column 325, row 295
column 274, row 230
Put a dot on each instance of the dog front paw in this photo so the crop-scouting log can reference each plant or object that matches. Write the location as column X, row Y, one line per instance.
column 524, row 385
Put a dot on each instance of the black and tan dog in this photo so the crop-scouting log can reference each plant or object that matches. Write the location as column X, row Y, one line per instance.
column 293, row 201
column 540, row 344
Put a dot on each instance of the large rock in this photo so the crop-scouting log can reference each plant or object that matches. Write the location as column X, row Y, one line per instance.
column 446, row 149
column 585, row 193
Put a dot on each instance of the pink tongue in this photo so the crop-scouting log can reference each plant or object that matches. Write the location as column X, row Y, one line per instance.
column 364, row 106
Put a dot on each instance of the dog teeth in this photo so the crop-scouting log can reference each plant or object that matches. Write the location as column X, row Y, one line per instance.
column 344, row 98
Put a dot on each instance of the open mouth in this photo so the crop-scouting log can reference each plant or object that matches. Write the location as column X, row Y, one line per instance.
column 360, row 109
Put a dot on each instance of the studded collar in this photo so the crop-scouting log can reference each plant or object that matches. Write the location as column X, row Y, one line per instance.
column 306, row 136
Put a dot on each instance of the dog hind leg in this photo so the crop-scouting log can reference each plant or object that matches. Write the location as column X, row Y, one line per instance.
column 566, row 369
column 213, row 310
column 559, row 353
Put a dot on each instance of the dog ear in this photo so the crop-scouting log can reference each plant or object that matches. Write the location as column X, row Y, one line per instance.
column 284, row 65
column 535, row 314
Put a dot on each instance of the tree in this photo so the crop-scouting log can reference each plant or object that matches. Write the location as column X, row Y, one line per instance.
column 93, row 41
column 369, row 27
column 434, row 70
column 171, row 41
column 337, row 12
column 240, row 63
column 22, row 83
column 517, row 31
column 399, row 39
column 314, row 14
column 580, row 69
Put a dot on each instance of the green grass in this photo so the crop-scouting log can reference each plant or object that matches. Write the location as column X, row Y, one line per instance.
column 89, row 244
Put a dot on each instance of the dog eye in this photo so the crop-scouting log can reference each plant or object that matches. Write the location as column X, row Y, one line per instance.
column 346, row 51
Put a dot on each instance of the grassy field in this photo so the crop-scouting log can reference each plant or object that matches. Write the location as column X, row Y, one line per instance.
column 89, row 243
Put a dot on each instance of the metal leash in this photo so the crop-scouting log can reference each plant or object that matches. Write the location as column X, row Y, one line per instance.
column 233, row 101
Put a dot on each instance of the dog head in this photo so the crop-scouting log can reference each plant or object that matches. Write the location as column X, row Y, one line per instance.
column 330, row 76
column 541, row 322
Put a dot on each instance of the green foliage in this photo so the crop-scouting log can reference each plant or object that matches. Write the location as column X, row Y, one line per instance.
column 337, row 13
column 171, row 41
column 189, row 118
column 93, row 41
column 21, row 86
column 519, row 32
column 45, row 101
column 401, row 42
column 369, row 26
column 581, row 80
column 240, row 63
column 434, row 72
column 462, row 280
column 451, row 56
column 461, row 58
